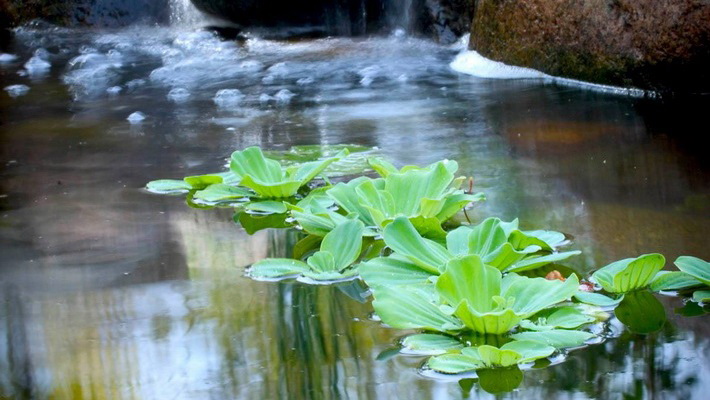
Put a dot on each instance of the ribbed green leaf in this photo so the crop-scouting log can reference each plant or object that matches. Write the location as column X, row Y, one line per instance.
column 630, row 273
column 486, row 237
column 468, row 279
column 454, row 363
column 403, row 238
column 407, row 308
column 389, row 271
column 492, row 322
column 202, row 181
column 673, row 280
column 528, row 350
column 562, row 317
column 495, row 357
column 344, row 243
column 534, row 294
column 552, row 238
column 696, row 267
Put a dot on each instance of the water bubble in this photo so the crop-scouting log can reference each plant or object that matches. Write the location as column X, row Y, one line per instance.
column 17, row 90
column 228, row 97
column 90, row 74
column 284, row 96
column 136, row 117
column 179, row 95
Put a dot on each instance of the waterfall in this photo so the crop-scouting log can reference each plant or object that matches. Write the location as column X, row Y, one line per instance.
column 184, row 14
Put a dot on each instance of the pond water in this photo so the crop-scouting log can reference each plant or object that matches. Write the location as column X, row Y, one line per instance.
column 108, row 291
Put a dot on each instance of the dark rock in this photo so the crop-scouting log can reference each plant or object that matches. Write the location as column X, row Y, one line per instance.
column 97, row 13
column 660, row 45
column 449, row 19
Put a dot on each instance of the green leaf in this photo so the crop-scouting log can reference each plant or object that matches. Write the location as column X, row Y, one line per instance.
column 539, row 261
column 430, row 344
column 695, row 267
column 534, row 294
column 528, row 350
column 271, row 207
column 557, row 338
column 322, row 262
column 165, row 186
column 675, row 280
column 597, row 299
column 630, row 273
column 273, row 268
column 701, row 296
column 344, row 243
column 382, row 166
column 552, row 238
column 346, row 196
column 253, row 223
column 454, row 363
column 641, row 312
column 202, row 181
column 306, row 245
column 486, row 237
column 494, row 357
column 403, row 238
column 388, row 271
column 220, row 192
column 500, row 380
column 561, row 317
column 468, row 279
column 404, row 307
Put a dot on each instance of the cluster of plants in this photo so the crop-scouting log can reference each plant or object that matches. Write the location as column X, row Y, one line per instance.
column 484, row 297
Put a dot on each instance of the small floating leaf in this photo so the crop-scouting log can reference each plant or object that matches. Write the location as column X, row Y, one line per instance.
column 431, row 344
column 597, row 299
column 165, row 186
column 557, row 338
column 272, row 268
column 202, row 181
column 220, row 192
column 271, row 207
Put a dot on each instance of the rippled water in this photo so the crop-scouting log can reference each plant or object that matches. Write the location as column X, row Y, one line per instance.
column 110, row 292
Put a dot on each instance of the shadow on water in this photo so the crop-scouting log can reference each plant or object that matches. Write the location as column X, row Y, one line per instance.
column 110, row 292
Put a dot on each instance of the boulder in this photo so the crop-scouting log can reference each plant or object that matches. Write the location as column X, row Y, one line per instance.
column 659, row 45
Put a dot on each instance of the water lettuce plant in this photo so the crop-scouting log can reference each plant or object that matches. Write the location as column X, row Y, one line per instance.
column 470, row 295
column 498, row 244
column 339, row 249
column 485, row 356
column 268, row 179
column 426, row 196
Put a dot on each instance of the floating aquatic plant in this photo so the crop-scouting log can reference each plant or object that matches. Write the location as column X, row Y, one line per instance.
column 499, row 244
column 339, row 249
column 470, row 295
column 485, row 356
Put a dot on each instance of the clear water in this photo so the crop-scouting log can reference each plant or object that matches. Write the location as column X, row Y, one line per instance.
column 107, row 291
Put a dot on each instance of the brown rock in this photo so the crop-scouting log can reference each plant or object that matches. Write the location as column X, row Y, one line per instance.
column 661, row 45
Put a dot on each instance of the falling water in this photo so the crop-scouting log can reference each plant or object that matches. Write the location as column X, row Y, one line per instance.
column 184, row 14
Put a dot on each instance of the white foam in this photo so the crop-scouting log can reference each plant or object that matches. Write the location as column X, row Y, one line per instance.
column 228, row 98
column 91, row 74
column 179, row 95
column 17, row 90
column 136, row 117
column 6, row 58
column 114, row 90
column 284, row 96
column 305, row 81
column 471, row 63
column 38, row 66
